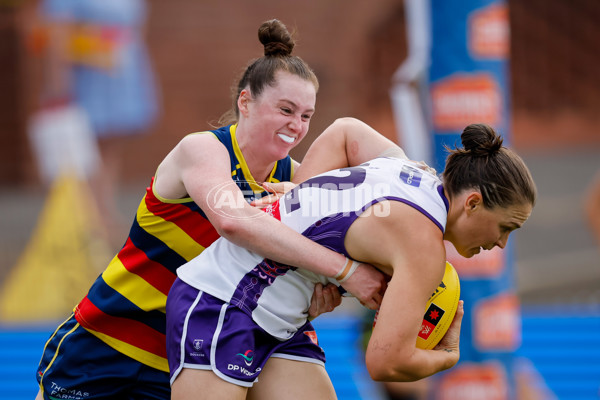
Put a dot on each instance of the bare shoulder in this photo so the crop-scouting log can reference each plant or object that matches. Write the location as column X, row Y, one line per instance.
column 391, row 232
column 197, row 154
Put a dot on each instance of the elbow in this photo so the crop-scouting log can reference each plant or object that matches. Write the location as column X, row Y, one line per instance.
column 389, row 369
column 345, row 123
column 377, row 371
column 229, row 228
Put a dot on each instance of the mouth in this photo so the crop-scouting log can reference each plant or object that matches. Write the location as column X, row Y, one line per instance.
column 286, row 138
column 480, row 248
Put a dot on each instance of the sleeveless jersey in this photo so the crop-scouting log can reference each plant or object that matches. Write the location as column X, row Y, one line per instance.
column 322, row 208
column 125, row 306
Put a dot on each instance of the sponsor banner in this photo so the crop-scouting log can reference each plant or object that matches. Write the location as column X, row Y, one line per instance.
column 485, row 265
column 489, row 32
column 468, row 83
column 475, row 381
column 463, row 98
column 497, row 323
column 468, row 79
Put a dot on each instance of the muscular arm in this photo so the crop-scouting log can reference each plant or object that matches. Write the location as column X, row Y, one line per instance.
column 346, row 142
column 199, row 165
column 408, row 246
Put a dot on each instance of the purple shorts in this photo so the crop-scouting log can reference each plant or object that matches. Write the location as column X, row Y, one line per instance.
column 204, row 332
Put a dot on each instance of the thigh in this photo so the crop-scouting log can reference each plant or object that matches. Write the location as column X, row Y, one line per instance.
column 288, row 379
column 204, row 384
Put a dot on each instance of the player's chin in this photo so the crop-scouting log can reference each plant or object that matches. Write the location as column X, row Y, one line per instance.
column 468, row 253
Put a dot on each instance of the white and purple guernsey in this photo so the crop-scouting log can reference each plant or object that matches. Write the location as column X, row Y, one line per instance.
column 277, row 296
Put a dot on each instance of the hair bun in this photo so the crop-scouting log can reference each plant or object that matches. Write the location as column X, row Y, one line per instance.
column 481, row 140
column 275, row 38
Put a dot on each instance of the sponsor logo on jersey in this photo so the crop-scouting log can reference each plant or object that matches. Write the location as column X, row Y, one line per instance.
column 58, row 392
column 248, row 357
column 273, row 210
column 430, row 320
column 411, row 176
column 242, row 370
column 197, row 344
column 312, row 336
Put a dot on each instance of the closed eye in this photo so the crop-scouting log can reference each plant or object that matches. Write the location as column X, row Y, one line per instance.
column 507, row 228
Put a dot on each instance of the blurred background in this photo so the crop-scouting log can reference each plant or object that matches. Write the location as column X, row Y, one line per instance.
column 53, row 236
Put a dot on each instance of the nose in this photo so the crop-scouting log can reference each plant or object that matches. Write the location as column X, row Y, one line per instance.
column 296, row 123
column 502, row 241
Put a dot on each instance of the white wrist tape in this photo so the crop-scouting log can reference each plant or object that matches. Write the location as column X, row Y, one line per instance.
column 347, row 270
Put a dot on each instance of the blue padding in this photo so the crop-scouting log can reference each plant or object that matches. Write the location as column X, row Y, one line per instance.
column 562, row 344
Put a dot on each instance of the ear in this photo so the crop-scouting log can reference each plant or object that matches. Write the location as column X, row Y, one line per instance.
column 473, row 202
column 242, row 102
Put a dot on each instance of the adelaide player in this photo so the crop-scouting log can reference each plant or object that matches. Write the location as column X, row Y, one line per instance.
column 113, row 344
column 233, row 315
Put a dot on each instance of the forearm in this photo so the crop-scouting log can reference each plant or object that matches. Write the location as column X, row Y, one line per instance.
column 346, row 142
column 420, row 365
column 272, row 239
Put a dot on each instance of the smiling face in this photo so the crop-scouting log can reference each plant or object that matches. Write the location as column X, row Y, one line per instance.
column 473, row 227
column 279, row 118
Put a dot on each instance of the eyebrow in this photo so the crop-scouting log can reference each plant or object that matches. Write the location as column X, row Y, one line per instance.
column 512, row 225
column 294, row 105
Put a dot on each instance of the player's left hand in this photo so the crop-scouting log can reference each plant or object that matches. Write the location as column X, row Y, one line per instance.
column 451, row 340
column 324, row 299
column 277, row 189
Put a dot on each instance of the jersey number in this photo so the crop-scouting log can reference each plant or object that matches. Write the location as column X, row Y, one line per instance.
column 351, row 177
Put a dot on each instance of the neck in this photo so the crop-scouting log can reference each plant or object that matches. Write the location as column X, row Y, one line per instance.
column 253, row 154
column 450, row 219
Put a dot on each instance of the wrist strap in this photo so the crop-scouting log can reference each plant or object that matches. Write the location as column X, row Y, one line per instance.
column 347, row 270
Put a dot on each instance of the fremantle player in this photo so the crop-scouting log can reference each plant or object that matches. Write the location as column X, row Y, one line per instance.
column 233, row 316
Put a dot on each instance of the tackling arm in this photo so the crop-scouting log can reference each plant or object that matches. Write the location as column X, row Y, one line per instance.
column 199, row 164
column 346, row 142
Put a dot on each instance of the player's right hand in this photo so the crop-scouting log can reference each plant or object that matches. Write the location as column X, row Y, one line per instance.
column 277, row 189
column 367, row 284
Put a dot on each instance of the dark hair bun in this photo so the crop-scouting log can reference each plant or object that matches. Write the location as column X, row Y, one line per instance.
column 481, row 140
column 275, row 38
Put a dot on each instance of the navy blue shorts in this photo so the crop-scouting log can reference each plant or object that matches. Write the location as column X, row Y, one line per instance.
column 204, row 332
column 77, row 365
